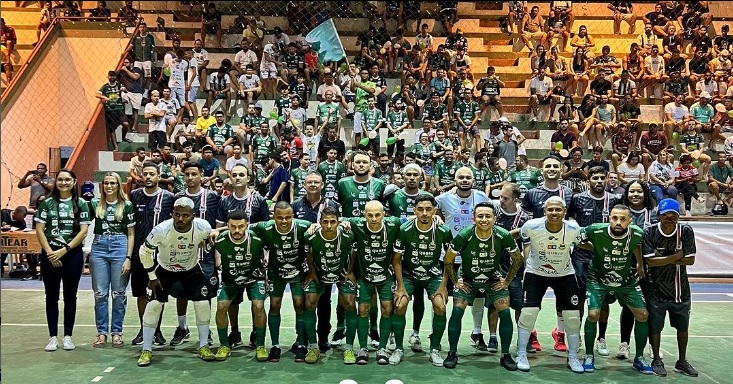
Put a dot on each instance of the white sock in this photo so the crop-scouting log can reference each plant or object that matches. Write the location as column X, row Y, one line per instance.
column 148, row 338
column 182, row 322
column 573, row 343
column 560, row 324
column 203, row 334
column 522, row 340
column 478, row 314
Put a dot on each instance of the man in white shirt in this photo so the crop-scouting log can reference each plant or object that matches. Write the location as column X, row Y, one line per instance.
column 155, row 113
column 676, row 114
column 235, row 159
column 540, row 89
column 250, row 87
column 173, row 111
column 653, row 72
column 269, row 70
column 243, row 58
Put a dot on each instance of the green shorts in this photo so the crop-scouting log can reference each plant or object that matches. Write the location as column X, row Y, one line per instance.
column 431, row 285
column 385, row 290
column 629, row 295
column 256, row 290
column 345, row 288
column 491, row 295
column 277, row 286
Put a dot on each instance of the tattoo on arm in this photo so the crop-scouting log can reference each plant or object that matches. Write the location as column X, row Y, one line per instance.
column 516, row 263
column 450, row 272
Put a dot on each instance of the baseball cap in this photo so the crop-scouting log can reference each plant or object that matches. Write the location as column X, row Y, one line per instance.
column 503, row 119
column 459, row 30
column 724, row 53
column 668, row 205
column 258, row 105
column 87, row 191
column 705, row 95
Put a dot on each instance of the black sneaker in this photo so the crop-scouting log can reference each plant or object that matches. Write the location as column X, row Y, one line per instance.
column 158, row 339
column 451, row 360
column 180, row 335
column 493, row 346
column 685, row 368
column 274, row 355
column 508, row 363
column 323, row 345
column 138, row 340
column 339, row 335
column 253, row 339
column 477, row 339
column 235, row 339
column 300, row 352
column 658, row 368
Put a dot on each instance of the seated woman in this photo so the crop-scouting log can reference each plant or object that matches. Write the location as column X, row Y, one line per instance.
column 661, row 177
column 631, row 169
column 686, row 178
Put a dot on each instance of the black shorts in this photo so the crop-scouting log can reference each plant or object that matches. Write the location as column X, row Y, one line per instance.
column 138, row 276
column 581, row 259
column 490, row 100
column 212, row 278
column 543, row 100
column 114, row 118
column 193, row 282
column 679, row 315
column 565, row 288
column 515, row 294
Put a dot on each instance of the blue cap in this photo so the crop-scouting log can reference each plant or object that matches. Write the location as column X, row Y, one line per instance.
column 668, row 205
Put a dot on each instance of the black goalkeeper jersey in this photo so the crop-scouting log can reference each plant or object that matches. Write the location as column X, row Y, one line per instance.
column 150, row 210
column 669, row 282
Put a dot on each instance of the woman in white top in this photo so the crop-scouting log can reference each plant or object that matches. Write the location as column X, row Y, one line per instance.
column 631, row 169
column 661, row 177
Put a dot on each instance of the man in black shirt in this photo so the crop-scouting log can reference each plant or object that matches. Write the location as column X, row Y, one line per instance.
column 211, row 23
column 668, row 248
column 16, row 219
column 331, row 141
column 698, row 65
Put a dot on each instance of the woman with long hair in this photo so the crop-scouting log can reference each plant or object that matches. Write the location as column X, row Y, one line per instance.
column 687, row 177
column 661, row 177
column 110, row 259
column 631, row 169
column 579, row 77
column 62, row 220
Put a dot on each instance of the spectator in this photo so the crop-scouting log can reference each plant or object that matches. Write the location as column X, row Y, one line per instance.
column 563, row 135
column 517, row 11
column 677, row 85
column 539, row 59
column 721, row 68
column 574, row 176
column 670, row 43
column 562, row 10
column 269, row 70
column 531, row 27
column 202, row 61
column 653, row 72
column 219, row 88
column 435, row 114
column 172, row 111
column 578, row 80
column 278, row 180
column 596, row 161
column 40, row 183
column 703, row 113
column 686, row 182
column 236, row 159
column 155, row 112
column 261, row 146
column 702, row 40
column 490, row 87
column 300, row 16
column 328, row 113
column 631, row 169
column 295, row 115
column 661, row 175
column 623, row 11
column 583, row 40
column 135, row 171
column 606, row 64
column 676, row 114
column 179, row 68
column 293, row 64
column 658, row 20
column 541, row 93
column 558, row 25
column 692, row 144
column 331, row 141
column 647, row 39
column 709, row 86
column 603, row 119
column 507, row 148
column 142, row 48
column 211, row 23
column 622, row 87
column 132, row 90
column 447, row 12
column 723, row 41
column 586, row 109
column 698, row 65
column 8, row 40
column 675, row 63
column 462, row 62
column 652, row 143
column 220, row 136
column 411, row 11
column 467, row 115
column 114, row 110
column 209, row 165
column 424, row 40
column 15, row 220
column 250, row 86
column 621, row 143
column 720, row 179
column 254, row 35
column 127, row 14
column 184, row 132
column 101, row 12
column 613, row 186
column 47, row 16
column 601, row 86
column 243, row 58
column 628, row 113
column 569, row 112
column 202, row 126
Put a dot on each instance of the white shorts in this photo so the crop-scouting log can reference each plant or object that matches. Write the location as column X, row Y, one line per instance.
column 133, row 101
column 145, row 66
column 168, row 120
column 357, row 122
column 179, row 94
column 268, row 71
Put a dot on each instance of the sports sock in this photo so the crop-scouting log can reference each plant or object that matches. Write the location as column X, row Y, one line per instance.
column 398, row 327
column 385, row 327
column 299, row 330
column 309, row 325
column 641, row 332
column 273, row 322
column 203, row 334
column 560, row 324
column 260, row 336
column 602, row 327
column 522, row 340
column 148, row 338
column 340, row 318
column 223, row 339
column 373, row 318
column 477, row 310
column 418, row 309
column 573, row 340
column 627, row 324
column 506, row 329
column 182, row 322
column 590, row 336
column 235, row 329
column 363, row 331
column 439, row 322
column 352, row 322
column 454, row 328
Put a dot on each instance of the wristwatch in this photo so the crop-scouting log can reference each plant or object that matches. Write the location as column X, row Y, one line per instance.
column 67, row 247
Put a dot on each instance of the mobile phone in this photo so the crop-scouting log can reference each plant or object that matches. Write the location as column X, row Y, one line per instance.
column 34, row 172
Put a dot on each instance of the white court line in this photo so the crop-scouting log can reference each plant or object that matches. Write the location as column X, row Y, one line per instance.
column 96, row 379
column 109, row 369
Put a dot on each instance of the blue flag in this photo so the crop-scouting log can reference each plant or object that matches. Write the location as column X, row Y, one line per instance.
column 325, row 40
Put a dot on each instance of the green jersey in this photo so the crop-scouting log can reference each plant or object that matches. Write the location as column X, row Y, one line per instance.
column 362, row 95
column 497, row 177
column 526, row 179
column 434, row 112
column 401, row 204
column 262, row 147
column 613, row 257
column 165, row 173
column 297, row 179
column 481, row 258
column 466, row 111
column 143, row 47
column 219, row 135
column 692, row 142
column 446, row 173
column 253, row 121
column 422, row 151
column 114, row 93
column 374, row 249
column 480, row 177
column 241, row 263
column 108, row 223
column 372, row 119
column 353, row 196
column 327, row 112
column 421, row 250
column 331, row 174
column 59, row 219
column 261, row 174
column 396, row 118
column 330, row 257
column 282, row 103
column 286, row 249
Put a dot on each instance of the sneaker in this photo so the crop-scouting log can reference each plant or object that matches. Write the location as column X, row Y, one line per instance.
column 530, row 348
column 435, row 358
column 274, row 355
column 294, row 347
column 138, row 340
column 391, row 343
column 415, row 343
column 623, row 351
column 349, row 357
column 559, row 338
column 477, row 340
column 100, row 341
column 601, row 347
column 374, row 335
column 589, row 363
column 67, row 344
column 534, row 341
column 53, row 344
column 522, row 363
column 451, row 360
column 300, row 353
column 396, row 357
column 508, row 363
column 575, row 365
column 222, row 353
column 159, row 340
column 685, row 368
column 382, row 357
column 205, row 354
column 312, row 356
column 339, row 335
column 179, row 335
column 261, row 353
column 362, row 358
column 253, row 339
column 658, row 367
column 144, row 360
column 324, row 346
column 641, row 365
column 235, row 339
column 493, row 344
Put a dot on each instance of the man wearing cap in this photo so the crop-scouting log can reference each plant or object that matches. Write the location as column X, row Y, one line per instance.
column 652, row 142
column 703, row 113
column 721, row 66
column 668, row 248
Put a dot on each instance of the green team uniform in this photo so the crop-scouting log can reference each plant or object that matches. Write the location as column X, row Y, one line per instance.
column 220, row 135
column 374, row 258
column 282, row 104
column 480, row 177
column 466, row 112
column 692, row 142
column 331, row 174
column 353, row 196
column 242, row 267
column 262, row 147
column 114, row 93
column 165, row 173
column 396, row 119
column 261, row 174
column 253, row 121
column 526, row 179
column 610, row 269
column 297, row 179
column 331, row 261
column 481, row 259
column 446, row 173
column 401, row 204
column 143, row 47
column 372, row 118
column 420, row 253
column 361, row 96
column 108, row 224
column 324, row 114
column 286, row 255
column 59, row 220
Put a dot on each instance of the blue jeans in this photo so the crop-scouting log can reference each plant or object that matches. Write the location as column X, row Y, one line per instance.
column 106, row 260
column 658, row 192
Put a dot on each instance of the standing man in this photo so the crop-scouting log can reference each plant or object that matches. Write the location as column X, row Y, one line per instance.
column 114, row 109
column 331, row 171
column 354, row 192
column 363, row 88
column 155, row 113
column 40, row 183
column 401, row 203
column 278, row 179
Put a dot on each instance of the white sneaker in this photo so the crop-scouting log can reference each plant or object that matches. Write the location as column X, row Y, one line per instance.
column 522, row 363
column 688, row 214
column 415, row 343
column 53, row 344
column 396, row 357
column 435, row 358
column 68, row 345
column 623, row 351
column 601, row 347
column 575, row 365
column 391, row 344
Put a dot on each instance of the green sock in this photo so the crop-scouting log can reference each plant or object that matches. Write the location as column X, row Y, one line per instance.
column 418, row 308
column 398, row 327
column 299, row 329
column 439, row 322
column 223, row 338
column 309, row 324
column 590, row 336
column 363, row 331
column 340, row 317
column 273, row 321
column 373, row 317
column 352, row 323
column 260, row 335
column 385, row 327
column 454, row 328
column 641, row 333
column 506, row 329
